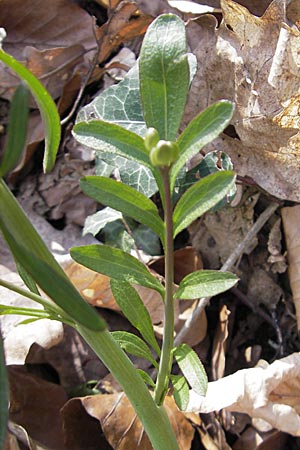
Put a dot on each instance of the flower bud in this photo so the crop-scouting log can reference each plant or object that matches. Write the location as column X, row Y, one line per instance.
column 164, row 154
column 151, row 138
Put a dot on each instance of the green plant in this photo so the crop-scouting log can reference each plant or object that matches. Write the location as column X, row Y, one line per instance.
column 164, row 78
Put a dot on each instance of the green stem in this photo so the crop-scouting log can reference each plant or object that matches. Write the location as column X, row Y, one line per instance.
column 152, row 416
column 168, row 336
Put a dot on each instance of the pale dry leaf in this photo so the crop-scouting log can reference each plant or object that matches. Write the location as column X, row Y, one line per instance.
column 264, row 85
column 290, row 219
column 219, row 344
column 266, row 393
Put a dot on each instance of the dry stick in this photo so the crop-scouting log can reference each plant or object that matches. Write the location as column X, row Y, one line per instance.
column 235, row 255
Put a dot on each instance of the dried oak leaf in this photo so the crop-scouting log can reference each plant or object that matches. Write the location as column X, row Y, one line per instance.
column 269, row 393
column 253, row 61
column 35, row 404
column 119, row 423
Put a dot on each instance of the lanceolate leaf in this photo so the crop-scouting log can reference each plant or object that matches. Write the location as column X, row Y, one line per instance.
column 164, row 75
column 192, row 368
column 180, row 391
column 205, row 283
column 46, row 105
column 115, row 264
column 17, row 129
column 109, row 137
column 134, row 309
column 146, row 377
column 201, row 197
column 125, row 199
column 4, row 395
column 203, row 129
column 134, row 345
column 40, row 264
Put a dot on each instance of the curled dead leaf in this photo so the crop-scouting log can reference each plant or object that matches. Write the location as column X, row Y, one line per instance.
column 270, row 394
column 119, row 423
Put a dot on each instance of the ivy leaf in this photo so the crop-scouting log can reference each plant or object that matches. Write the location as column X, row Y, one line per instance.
column 180, row 391
column 116, row 264
column 205, row 283
column 192, row 368
column 125, row 199
column 119, row 104
column 134, row 309
column 200, row 198
column 164, row 75
column 95, row 222
column 134, row 345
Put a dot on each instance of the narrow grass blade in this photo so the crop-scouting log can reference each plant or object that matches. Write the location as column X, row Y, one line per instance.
column 46, row 105
column 17, row 129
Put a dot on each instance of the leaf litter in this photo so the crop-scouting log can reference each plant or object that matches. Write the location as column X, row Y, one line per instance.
column 241, row 330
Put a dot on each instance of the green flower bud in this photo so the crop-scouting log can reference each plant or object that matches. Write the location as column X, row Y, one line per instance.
column 164, row 154
column 151, row 138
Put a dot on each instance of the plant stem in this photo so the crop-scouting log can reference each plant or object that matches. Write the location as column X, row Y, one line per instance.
column 168, row 335
column 152, row 416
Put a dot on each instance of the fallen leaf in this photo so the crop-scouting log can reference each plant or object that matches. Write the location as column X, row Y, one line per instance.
column 263, row 85
column 219, row 344
column 252, row 439
column 290, row 219
column 267, row 393
column 119, row 423
column 35, row 405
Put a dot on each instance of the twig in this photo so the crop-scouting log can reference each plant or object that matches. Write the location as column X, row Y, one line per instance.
column 229, row 263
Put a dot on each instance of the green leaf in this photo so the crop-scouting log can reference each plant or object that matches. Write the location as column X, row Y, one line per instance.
column 200, row 198
column 95, row 222
column 146, row 377
column 17, row 129
column 134, row 345
column 31, row 252
column 205, row 283
column 203, row 129
column 119, row 104
column 46, row 105
column 180, row 391
column 131, row 173
column 134, row 309
column 27, row 279
column 109, row 137
column 116, row 264
column 123, row 198
column 4, row 396
column 116, row 235
column 164, row 75
column 192, row 368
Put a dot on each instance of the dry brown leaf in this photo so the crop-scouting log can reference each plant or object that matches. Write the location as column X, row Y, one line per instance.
column 120, row 424
column 252, row 439
column 263, row 84
column 35, row 405
column 219, row 344
column 290, row 219
column 267, row 394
